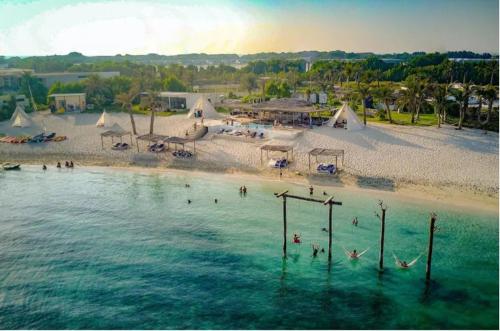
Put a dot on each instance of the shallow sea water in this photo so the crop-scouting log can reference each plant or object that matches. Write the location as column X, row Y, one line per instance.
column 113, row 249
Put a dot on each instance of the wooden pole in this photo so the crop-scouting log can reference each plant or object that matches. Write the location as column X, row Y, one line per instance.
column 330, row 230
column 284, row 226
column 102, row 143
column 382, row 237
column 330, row 204
column 432, row 228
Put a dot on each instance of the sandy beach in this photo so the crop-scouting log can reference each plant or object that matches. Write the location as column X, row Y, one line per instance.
column 437, row 162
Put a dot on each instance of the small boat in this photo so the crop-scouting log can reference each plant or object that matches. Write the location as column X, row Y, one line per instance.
column 11, row 166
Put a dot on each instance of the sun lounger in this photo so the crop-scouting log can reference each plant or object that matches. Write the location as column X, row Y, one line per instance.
column 49, row 136
column 182, row 154
column 324, row 168
column 120, row 146
column 38, row 138
column 279, row 164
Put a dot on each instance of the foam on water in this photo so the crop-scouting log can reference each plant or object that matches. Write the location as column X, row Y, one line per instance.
column 107, row 249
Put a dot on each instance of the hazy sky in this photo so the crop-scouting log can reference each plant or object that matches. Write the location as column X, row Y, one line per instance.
column 108, row 27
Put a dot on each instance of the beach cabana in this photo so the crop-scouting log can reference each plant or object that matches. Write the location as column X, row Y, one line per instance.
column 332, row 153
column 20, row 119
column 203, row 109
column 285, row 149
column 116, row 131
column 151, row 138
column 180, row 141
column 346, row 118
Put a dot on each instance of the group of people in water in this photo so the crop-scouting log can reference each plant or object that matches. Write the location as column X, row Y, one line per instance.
column 67, row 164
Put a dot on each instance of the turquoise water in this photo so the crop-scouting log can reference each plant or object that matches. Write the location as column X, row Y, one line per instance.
column 109, row 249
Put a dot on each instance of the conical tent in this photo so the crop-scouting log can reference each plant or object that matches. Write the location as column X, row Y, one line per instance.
column 102, row 120
column 204, row 108
column 20, row 118
column 346, row 114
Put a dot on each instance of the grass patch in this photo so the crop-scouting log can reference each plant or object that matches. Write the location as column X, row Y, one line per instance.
column 223, row 110
column 402, row 119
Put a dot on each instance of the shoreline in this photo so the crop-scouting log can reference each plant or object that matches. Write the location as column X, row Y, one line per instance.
column 450, row 195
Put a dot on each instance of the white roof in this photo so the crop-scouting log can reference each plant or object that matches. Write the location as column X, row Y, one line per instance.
column 20, row 118
column 117, row 128
column 346, row 114
column 206, row 108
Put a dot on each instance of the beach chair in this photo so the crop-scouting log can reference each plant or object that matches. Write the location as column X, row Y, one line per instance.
column 324, row 168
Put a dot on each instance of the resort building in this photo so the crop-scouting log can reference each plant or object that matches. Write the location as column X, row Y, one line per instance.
column 49, row 78
column 10, row 79
column 67, row 102
column 285, row 111
column 174, row 101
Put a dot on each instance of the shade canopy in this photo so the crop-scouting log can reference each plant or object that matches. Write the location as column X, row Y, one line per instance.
column 347, row 115
column 204, row 108
column 19, row 118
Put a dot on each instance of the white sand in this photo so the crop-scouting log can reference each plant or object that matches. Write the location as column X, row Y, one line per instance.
column 379, row 155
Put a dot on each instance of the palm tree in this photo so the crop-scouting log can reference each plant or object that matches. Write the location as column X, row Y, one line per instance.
column 439, row 92
column 149, row 102
column 409, row 96
column 385, row 94
column 422, row 89
column 363, row 91
column 490, row 93
column 462, row 97
column 125, row 101
column 347, row 72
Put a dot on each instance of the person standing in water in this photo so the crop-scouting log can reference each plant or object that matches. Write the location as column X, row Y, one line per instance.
column 244, row 190
column 311, row 190
column 44, row 167
column 59, row 164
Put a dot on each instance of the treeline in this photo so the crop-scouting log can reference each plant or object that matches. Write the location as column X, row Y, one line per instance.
column 64, row 62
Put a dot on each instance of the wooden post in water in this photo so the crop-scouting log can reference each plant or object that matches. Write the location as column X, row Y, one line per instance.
column 432, row 229
column 329, row 202
column 283, row 195
column 382, row 234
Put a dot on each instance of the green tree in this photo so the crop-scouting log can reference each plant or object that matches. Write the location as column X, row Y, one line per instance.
column 173, row 84
column 33, row 88
column 248, row 82
column 125, row 100
column 385, row 94
column 363, row 91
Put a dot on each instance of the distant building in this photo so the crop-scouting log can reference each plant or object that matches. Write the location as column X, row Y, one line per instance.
column 313, row 98
column 22, row 100
column 184, row 100
column 49, row 78
column 10, row 79
column 67, row 102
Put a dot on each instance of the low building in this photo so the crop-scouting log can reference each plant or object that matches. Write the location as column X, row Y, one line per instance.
column 10, row 79
column 49, row 78
column 174, row 101
column 67, row 102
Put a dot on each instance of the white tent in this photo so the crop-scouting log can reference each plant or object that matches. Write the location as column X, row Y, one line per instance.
column 20, row 118
column 205, row 107
column 346, row 114
column 102, row 122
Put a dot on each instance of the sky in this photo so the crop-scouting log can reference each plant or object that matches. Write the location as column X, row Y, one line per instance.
column 109, row 27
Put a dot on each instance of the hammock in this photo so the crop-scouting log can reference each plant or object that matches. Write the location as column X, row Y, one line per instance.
column 399, row 263
column 349, row 254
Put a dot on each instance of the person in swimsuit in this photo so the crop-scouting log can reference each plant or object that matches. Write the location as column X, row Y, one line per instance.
column 296, row 239
column 315, row 248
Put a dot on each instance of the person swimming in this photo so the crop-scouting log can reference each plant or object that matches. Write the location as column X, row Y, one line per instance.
column 404, row 264
column 324, row 229
column 315, row 248
column 189, row 201
column 296, row 239
column 44, row 167
column 215, row 200
column 354, row 254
